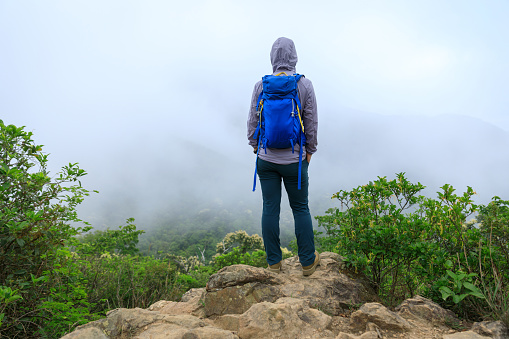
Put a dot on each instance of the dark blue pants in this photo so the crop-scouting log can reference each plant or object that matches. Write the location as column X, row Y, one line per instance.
column 270, row 176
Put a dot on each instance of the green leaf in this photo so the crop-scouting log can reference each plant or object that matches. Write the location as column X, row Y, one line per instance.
column 20, row 242
column 478, row 295
column 452, row 275
column 458, row 298
column 470, row 286
column 474, row 290
column 446, row 292
column 13, row 298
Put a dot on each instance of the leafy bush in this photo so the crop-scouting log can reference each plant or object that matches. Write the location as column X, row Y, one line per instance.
column 494, row 257
column 408, row 244
column 461, row 286
column 240, row 240
column 405, row 243
column 128, row 281
column 184, row 264
column 67, row 304
column 86, row 284
column 377, row 237
column 7, row 296
column 239, row 248
column 201, row 275
column 257, row 258
column 36, row 217
column 50, row 280
column 121, row 241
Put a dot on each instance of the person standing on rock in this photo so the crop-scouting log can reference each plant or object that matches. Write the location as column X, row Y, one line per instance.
column 289, row 164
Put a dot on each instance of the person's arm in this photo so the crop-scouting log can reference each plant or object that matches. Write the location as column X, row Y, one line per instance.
column 310, row 119
column 252, row 120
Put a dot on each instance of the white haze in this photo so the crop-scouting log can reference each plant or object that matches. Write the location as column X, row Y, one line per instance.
column 151, row 97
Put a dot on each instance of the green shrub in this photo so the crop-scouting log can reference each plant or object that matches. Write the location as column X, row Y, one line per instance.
column 240, row 240
column 377, row 237
column 399, row 240
column 51, row 281
column 36, row 217
column 408, row 244
column 235, row 256
column 257, row 258
column 128, row 281
column 494, row 258
column 121, row 241
column 202, row 274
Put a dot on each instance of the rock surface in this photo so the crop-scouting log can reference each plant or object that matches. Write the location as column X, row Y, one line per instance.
column 247, row 302
column 379, row 315
column 286, row 318
column 465, row 335
column 234, row 289
column 492, row 329
column 422, row 308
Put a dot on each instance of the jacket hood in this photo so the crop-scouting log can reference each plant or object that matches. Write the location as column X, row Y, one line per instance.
column 283, row 55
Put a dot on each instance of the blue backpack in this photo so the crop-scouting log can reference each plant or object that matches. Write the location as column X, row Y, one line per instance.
column 279, row 116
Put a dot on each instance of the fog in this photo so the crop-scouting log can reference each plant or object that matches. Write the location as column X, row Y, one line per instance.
column 151, row 98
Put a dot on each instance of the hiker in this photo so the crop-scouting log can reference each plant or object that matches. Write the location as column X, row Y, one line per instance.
column 290, row 163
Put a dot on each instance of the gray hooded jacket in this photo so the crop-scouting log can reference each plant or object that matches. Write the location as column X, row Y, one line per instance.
column 283, row 57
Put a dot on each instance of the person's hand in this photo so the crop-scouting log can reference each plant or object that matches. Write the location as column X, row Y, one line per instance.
column 308, row 157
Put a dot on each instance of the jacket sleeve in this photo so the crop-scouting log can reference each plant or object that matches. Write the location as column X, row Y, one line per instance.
column 252, row 120
column 310, row 117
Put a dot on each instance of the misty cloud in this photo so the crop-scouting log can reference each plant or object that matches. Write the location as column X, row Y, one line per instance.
column 152, row 98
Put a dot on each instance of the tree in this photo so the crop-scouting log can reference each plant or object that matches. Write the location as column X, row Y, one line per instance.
column 37, row 214
column 121, row 241
column 241, row 240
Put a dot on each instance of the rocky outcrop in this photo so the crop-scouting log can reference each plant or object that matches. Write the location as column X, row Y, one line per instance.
column 141, row 324
column 379, row 315
column 247, row 302
column 234, row 289
column 422, row 308
column 286, row 318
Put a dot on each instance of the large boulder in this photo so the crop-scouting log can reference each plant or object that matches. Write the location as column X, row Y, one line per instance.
column 376, row 313
column 422, row 309
column 141, row 324
column 234, row 289
column 192, row 303
column 286, row 318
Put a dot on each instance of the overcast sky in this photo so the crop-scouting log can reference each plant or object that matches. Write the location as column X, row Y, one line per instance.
column 119, row 85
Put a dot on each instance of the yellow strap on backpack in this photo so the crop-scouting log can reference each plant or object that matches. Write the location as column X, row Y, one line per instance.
column 300, row 119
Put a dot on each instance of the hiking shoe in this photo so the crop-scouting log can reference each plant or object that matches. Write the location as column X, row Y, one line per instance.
column 276, row 268
column 308, row 270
